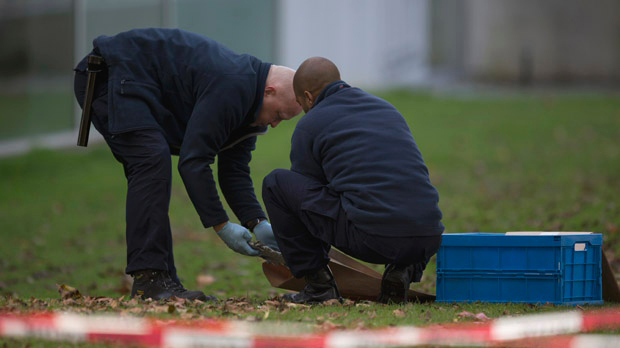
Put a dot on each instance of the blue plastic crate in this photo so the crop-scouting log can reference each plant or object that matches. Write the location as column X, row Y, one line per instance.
column 494, row 267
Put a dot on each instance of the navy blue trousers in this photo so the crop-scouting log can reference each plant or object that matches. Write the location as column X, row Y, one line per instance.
column 145, row 156
column 305, row 237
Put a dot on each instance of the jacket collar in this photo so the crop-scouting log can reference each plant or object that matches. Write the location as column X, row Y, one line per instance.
column 329, row 90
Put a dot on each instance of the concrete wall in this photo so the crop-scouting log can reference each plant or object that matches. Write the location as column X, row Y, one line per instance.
column 552, row 40
column 245, row 26
column 374, row 43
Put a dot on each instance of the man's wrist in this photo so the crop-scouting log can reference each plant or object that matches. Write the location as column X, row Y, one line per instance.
column 253, row 223
column 218, row 227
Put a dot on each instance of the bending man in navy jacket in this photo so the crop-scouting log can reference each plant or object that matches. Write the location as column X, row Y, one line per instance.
column 357, row 182
column 168, row 91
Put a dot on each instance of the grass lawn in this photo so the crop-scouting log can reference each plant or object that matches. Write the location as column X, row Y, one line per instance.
column 35, row 113
column 527, row 162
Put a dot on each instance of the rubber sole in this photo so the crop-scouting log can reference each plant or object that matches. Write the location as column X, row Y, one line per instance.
column 393, row 289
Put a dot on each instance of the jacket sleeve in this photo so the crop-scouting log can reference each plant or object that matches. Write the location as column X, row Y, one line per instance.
column 304, row 157
column 236, row 183
column 214, row 118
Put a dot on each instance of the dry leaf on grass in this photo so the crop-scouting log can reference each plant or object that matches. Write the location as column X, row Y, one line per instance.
column 348, row 302
column 328, row 326
column 336, row 315
column 332, row 302
column 273, row 303
column 125, row 284
column 479, row 317
column 358, row 324
column 399, row 313
column 297, row 305
column 203, row 280
column 67, row 292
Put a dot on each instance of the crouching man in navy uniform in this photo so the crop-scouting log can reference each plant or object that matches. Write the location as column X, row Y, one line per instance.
column 168, row 91
column 358, row 183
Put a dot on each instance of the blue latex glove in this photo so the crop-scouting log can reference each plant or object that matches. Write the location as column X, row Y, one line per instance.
column 237, row 238
column 264, row 234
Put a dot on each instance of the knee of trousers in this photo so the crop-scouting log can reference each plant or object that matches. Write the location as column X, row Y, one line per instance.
column 271, row 180
column 155, row 163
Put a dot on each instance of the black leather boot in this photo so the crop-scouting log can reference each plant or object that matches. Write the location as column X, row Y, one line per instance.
column 395, row 283
column 320, row 287
column 158, row 285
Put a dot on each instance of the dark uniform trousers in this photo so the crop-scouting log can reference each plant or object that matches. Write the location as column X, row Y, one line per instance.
column 305, row 236
column 145, row 156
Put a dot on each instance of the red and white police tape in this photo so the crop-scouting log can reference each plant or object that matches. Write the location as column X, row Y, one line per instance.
column 549, row 329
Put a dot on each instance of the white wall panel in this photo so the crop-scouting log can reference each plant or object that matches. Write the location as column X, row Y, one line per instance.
column 374, row 43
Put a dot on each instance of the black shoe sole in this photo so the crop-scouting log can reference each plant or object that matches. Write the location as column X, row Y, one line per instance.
column 300, row 299
column 393, row 292
column 393, row 289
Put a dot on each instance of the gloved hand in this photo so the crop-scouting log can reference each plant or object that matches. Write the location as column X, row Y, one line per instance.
column 264, row 234
column 237, row 238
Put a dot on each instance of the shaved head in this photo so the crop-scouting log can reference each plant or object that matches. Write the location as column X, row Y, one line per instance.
column 279, row 101
column 312, row 76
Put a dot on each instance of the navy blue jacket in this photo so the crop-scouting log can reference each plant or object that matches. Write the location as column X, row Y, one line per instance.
column 361, row 148
column 202, row 96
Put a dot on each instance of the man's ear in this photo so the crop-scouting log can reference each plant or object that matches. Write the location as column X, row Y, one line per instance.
column 309, row 97
column 270, row 90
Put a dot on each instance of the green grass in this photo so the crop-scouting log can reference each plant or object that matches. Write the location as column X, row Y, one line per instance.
column 35, row 113
column 499, row 163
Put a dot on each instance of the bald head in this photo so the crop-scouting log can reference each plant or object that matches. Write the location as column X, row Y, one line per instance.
column 311, row 77
column 279, row 102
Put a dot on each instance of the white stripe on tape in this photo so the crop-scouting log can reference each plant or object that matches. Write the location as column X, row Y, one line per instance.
column 13, row 327
column 407, row 336
column 101, row 324
column 599, row 341
column 347, row 340
column 173, row 337
column 40, row 328
column 546, row 324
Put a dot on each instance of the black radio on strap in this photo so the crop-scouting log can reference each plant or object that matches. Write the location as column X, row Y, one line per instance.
column 95, row 64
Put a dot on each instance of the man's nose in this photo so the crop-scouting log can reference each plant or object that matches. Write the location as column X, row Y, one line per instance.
column 274, row 124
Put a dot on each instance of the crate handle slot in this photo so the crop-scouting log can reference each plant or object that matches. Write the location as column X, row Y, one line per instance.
column 580, row 246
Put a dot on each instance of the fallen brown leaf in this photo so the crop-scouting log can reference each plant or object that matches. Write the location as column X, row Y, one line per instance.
column 399, row 313
column 348, row 302
column 203, row 280
column 125, row 284
column 358, row 324
column 69, row 302
column 135, row 310
column 336, row 315
column 332, row 302
column 328, row 326
column 68, row 292
column 479, row 317
column 297, row 305
column 272, row 303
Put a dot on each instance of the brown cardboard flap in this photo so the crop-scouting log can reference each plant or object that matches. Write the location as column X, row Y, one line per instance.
column 355, row 280
column 611, row 292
